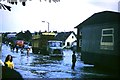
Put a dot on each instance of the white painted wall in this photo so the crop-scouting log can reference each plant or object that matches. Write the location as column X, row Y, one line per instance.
column 70, row 39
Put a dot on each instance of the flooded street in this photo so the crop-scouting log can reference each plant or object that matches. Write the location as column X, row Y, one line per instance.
column 44, row 66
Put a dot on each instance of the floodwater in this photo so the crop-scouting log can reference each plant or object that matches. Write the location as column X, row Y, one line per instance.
column 44, row 66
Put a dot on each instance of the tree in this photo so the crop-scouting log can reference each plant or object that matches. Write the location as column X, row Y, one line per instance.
column 27, row 35
column 14, row 2
column 4, row 37
column 5, row 7
column 20, row 35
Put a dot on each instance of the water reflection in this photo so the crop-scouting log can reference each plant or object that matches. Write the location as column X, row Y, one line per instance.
column 44, row 66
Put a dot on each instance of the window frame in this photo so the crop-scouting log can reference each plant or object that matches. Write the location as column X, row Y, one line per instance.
column 107, row 45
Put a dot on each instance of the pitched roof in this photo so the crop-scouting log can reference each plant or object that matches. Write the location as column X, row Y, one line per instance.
column 62, row 36
column 101, row 17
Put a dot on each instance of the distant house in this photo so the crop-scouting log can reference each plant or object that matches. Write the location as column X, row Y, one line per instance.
column 100, row 39
column 67, row 38
column 11, row 35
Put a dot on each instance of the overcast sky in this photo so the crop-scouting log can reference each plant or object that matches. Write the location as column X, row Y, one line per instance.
column 62, row 16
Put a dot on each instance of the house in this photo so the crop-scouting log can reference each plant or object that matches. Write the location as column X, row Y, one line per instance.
column 67, row 38
column 11, row 35
column 100, row 39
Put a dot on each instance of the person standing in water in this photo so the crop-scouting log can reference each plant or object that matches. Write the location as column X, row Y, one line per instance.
column 28, row 51
column 73, row 60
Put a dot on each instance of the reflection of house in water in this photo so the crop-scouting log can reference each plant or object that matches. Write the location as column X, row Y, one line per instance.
column 67, row 38
column 100, row 39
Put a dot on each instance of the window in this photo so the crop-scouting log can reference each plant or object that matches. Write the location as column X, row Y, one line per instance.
column 107, row 39
column 80, row 42
column 68, row 44
column 72, row 37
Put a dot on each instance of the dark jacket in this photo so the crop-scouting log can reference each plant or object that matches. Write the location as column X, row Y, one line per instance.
column 73, row 58
column 10, row 74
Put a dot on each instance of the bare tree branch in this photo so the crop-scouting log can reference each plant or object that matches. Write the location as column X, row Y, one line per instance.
column 14, row 2
column 5, row 7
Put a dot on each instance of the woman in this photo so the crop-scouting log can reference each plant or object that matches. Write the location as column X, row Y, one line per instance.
column 8, row 62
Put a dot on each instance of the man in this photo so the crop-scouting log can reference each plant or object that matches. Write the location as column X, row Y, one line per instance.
column 73, row 60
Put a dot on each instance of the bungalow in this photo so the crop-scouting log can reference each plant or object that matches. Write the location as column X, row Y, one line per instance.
column 100, row 39
column 67, row 38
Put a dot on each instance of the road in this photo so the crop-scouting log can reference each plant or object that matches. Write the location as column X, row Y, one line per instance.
column 43, row 66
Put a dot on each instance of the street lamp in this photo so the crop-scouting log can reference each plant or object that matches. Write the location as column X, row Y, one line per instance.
column 48, row 25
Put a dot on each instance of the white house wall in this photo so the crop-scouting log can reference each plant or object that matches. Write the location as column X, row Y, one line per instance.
column 70, row 40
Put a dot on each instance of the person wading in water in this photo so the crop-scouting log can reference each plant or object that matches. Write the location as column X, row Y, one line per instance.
column 73, row 60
